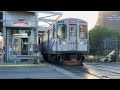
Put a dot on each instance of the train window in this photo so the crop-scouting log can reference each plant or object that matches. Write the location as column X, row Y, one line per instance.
column 53, row 31
column 72, row 30
column 61, row 31
column 83, row 31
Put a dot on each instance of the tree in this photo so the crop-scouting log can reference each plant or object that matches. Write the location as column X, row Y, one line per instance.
column 98, row 34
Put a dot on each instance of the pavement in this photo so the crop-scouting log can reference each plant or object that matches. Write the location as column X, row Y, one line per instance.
column 34, row 71
column 48, row 71
column 111, row 69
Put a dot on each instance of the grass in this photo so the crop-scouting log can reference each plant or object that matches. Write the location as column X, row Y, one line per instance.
column 11, row 64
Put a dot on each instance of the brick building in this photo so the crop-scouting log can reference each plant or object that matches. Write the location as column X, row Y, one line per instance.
column 110, row 19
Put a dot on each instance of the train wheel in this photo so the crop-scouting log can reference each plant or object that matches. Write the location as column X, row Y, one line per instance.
column 80, row 58
column 45, row 57
column 59, row 60
column 52, row 58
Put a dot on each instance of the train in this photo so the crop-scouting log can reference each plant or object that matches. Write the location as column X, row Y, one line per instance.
column 66, row 42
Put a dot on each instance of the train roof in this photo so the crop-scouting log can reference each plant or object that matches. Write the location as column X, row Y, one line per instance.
column 73, row 18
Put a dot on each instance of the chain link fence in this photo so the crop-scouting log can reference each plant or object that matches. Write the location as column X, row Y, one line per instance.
column 108, row 45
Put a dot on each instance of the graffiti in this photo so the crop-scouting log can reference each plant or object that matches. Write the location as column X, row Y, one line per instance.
column 52, row 41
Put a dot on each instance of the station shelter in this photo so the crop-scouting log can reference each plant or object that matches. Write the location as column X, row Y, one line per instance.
column 20, row 33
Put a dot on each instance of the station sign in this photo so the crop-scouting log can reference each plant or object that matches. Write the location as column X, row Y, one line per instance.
column 20, row 23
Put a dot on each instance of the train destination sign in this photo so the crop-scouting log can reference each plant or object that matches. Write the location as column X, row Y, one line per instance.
column 72, row 21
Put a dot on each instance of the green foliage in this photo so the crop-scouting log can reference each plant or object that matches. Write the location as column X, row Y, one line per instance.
column 92, row 58
column 114, row 58
column 99, row 33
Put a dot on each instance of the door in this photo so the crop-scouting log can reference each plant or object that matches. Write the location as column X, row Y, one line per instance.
column 19, row 46
column 73, row 37
column 16, row 46
column 24, row 46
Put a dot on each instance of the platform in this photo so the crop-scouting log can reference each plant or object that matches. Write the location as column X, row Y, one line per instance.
column 33, row 71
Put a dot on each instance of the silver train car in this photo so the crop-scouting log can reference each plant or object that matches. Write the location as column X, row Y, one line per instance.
column 67, row 42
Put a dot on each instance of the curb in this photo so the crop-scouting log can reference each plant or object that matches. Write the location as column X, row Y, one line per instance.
column 23, row 64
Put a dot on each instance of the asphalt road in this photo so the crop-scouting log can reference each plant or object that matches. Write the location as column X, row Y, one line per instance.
column 30, row 72
column 48, row 71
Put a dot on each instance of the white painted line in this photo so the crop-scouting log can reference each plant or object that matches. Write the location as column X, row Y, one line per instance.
column 72, row 75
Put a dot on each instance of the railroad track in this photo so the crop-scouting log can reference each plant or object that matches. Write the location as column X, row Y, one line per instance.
column 83, row 72
column 105, row 68
column 93, row 71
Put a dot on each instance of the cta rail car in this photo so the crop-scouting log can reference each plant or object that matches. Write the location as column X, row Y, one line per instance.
column 67, row 42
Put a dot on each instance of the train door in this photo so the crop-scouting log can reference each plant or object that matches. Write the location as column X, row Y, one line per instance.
column 73, row 37
column 61, row 35
column 48, row 37
column 83, row 38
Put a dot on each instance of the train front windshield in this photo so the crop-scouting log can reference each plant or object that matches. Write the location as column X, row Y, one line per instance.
column 83, row 31
column 61, row 31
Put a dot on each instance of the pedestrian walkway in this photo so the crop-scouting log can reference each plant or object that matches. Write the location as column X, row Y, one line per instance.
column 34, row 71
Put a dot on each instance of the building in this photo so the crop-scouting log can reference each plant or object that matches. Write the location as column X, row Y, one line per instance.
column 110, row 19
column 21, row 32
column 16, row 27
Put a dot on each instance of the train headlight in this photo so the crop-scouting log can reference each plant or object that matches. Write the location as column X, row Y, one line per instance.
column 81, row 42
column 63, row 42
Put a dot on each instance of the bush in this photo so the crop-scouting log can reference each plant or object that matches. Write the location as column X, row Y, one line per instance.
column 114, row 58
column 107, row 58
column 92, row 58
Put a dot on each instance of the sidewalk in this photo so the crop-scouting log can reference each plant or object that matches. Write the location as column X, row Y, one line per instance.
column 34, row 71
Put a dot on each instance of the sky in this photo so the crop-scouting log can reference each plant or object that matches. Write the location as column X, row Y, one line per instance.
column 89, row 16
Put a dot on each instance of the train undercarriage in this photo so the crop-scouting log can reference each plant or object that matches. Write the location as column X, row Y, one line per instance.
column 65, row 59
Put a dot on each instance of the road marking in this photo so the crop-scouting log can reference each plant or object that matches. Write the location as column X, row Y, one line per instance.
column 65, row 72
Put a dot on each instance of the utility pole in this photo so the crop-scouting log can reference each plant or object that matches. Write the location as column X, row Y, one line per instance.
column 116, row 50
